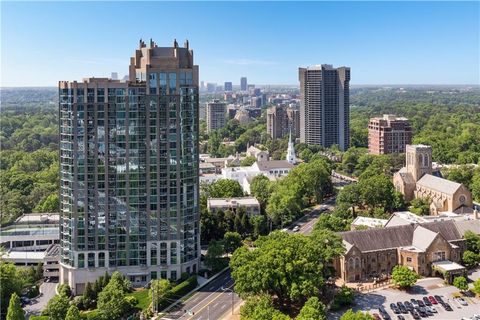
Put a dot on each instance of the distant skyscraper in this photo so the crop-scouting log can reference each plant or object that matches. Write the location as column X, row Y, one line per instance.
column 216, row 115
column 388, row 134
column 114, row 76
column 243, row 83
column 129, row 185
column 211, row 87
column 228, row 86
column 282, row 121
column 325, row 105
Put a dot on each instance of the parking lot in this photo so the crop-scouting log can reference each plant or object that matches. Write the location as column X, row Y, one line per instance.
column 370, row 302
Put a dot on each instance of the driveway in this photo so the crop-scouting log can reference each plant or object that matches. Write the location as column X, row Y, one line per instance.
column 47, row 291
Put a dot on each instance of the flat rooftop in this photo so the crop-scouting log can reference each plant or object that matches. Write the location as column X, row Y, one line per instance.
column 38, row 218
column 35, row 230
column 245, row 201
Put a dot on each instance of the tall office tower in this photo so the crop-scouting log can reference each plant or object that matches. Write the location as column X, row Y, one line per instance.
column 325, row 105
column 216, row 115
column 129, row 185
column 388, row 134
column 243, row 84
column 228, row 86
column 277, row 122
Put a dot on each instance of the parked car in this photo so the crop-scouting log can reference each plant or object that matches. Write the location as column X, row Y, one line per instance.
column 408, row 305
column 402, row 308
column 400, row 317
column 427, row 301
column 431, row 309
column 421, row 303
column 394, row 308
column 415, row 314
column 296, row 229
column 432, row 300
column 462, row 301
column 447, row 307
column 384, row 313
column 414, row 302
column 438, row 298
column 376, row 316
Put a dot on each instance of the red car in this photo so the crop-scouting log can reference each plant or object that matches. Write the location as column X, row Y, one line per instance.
column 376, row 316
column 432, row 300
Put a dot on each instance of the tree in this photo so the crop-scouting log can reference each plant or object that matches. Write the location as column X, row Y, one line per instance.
column 403, row 277
column 10, row 284
column 420, row 206
column 312, row 309
column 111, row 301
column 260, row 188
column 225, row 188
column 470, row 259
column 57, row 307
column 158, row 290
column 248, row 161
column 64, row 289
column 231, row 241
column 349, row 197
column 460, row 283
column 476, row 286
column 15, row 311
column 260, row 308
column 89, row 296
column 288, row 266
column 214, row 254
column 473, row 241
column 344, row 297
column 73, row 313
column 359, row 315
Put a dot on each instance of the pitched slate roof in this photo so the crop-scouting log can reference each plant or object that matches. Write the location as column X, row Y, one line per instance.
column 438, row 184
column 423, row 238
column 468, row 225
column 446, row 228
column 274, row 164
column 380, row 238
column 418, row 235
column 406, row 176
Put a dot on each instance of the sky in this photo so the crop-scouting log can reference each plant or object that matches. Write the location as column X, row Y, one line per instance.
column 382, row 42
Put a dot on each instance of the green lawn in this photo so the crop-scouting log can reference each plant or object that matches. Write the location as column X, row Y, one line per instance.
column 142, row 296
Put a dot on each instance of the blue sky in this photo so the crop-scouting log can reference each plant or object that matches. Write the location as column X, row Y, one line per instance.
column 383, row 42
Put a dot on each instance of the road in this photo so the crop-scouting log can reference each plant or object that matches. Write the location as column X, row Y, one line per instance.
column 212, row 301
column 209, row 303
column 47, row 290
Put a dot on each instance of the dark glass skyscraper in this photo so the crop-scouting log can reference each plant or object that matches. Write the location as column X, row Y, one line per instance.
column 129, row 185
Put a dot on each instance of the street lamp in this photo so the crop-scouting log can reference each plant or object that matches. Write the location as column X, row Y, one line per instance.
column 233, row 293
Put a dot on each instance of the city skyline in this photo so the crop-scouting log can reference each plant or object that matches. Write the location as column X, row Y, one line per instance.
column 374, row 39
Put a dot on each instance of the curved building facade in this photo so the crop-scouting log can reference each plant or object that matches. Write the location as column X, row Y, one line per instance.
column 129, row 186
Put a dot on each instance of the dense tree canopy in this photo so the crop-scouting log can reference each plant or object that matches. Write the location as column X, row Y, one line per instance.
column 403, row 277
column 290, row 267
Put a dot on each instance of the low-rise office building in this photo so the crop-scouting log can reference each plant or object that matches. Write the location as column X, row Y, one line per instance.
column 249, row 204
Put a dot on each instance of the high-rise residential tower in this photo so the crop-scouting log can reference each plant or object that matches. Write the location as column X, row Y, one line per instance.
column 282, row 121
column 129, row 185
column 216, row 115
column 325, row 105
column 243, row 83
column 388, row 134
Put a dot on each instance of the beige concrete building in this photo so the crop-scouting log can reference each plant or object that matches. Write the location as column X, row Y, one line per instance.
column 249, row 204
column 388, row 134
column 216, row 114
column 416, row 180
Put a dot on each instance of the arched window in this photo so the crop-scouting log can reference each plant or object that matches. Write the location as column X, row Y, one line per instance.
column 350, row 263
column 357, row 263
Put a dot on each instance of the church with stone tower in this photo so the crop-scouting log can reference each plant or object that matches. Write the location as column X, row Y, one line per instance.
column 416, row 180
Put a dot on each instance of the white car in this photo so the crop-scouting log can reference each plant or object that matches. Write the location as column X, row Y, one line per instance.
column 296, row 229
column 462, row 302
column 432, row 309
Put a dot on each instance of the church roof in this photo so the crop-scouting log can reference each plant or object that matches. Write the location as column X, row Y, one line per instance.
column 423, row 238
column 274, row 164
column 406, row 176
column 438, row 184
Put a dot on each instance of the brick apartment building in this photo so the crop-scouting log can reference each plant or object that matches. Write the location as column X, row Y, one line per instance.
column 388, row 134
